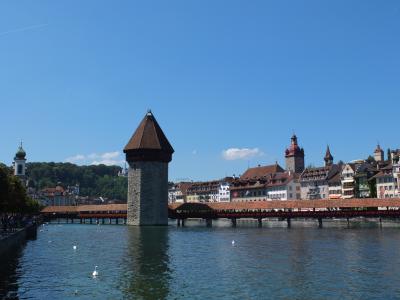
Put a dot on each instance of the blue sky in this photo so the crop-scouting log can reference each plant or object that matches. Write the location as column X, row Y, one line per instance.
column 77, row 77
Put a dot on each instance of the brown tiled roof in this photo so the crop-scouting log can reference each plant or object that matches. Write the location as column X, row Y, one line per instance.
column 302, row 204
column 149, row 135
column 258, row 172
column 270, row 180
column 184, row 186
column 305, row 204
column 83, row 208
column 335, row 179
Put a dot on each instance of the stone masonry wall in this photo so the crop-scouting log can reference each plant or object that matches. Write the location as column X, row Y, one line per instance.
column 148, row 193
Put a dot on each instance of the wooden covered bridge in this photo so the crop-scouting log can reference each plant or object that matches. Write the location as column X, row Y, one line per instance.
column 283, row 210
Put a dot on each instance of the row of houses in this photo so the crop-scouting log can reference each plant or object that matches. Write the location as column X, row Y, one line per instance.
column 374, row 177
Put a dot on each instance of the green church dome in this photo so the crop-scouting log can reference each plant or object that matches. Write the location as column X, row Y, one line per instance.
column 20, row 153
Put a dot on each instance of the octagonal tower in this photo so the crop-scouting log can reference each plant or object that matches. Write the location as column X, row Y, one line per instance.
column 148, row 153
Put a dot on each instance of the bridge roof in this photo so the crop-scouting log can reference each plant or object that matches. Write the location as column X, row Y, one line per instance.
column 256, row 205
column 83, row 208
column 344, row 203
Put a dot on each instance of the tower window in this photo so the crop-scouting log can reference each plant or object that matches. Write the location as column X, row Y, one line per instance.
column 19, row 170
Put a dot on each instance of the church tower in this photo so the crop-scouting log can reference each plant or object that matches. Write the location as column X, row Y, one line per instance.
column 328, row 157
column 20, row 162
column 378, row 154
column 294, row 157
column 148, row 153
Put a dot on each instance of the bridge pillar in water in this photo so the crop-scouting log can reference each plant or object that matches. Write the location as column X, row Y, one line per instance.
column 209, row 222
column 148, row 153
column 116, row 221
column 319, row 222
column 259, row 221
column 178, row 222
column 234, row 222
column 91, row 221
column 348, row 222
column 102, row 221
column 289, row 222
column 80, row 220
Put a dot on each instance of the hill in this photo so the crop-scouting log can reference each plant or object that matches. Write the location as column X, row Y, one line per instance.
column 94, row 181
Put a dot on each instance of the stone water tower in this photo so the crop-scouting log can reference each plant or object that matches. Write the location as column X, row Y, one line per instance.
column 148, row 153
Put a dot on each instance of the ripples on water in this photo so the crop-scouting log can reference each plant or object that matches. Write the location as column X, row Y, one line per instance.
column 303, row 262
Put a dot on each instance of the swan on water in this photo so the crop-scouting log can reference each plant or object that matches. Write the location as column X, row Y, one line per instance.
column 95, row 273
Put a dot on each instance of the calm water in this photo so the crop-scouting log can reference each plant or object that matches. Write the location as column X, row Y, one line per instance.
column 303, row 262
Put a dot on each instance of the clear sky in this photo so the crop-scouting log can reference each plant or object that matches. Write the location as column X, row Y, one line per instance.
column 76, row 78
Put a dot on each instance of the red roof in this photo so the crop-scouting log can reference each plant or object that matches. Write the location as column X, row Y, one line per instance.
column 258, row 172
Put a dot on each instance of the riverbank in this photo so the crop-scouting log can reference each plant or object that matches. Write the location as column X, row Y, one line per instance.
column 12, row 240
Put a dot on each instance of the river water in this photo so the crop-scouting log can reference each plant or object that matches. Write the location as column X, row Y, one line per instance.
column 195, row 262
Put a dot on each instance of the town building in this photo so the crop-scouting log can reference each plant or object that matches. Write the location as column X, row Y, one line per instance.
column 58, row 196
column 272, row 186
column 177, row 192
column 294, row 156
column 335, row 187
column 358, row 180
column 224, row 194
column 261, row 171
column 385, row 183
column 365, row 183
column 348, row 181
column 209, row 191
column 315, row 181
column 395, row 156
column 320, row 182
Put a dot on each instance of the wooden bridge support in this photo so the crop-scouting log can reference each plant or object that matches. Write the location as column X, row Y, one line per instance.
column 319, row 222
column 91, row 221
column 348, row 222
column 234, row 222
column 289, row 222
column 209, row 222
column 80, row 220
column 116, row 221
column 259, row 220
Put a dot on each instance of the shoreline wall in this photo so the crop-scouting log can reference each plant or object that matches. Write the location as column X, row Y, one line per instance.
column 17, row 239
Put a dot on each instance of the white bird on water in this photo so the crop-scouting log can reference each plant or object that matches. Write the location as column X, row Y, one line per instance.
column 95, row 273
column 233, row 243
column 74, row 247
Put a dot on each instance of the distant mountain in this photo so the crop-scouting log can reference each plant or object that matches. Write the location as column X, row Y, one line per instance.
column 94, row 181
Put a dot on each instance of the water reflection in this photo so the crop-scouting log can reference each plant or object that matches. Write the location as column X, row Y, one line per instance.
column 146, row 273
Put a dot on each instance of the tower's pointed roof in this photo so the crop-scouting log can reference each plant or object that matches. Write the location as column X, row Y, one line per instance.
column 378, row 149
column 149, row 141
column 328, row 154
